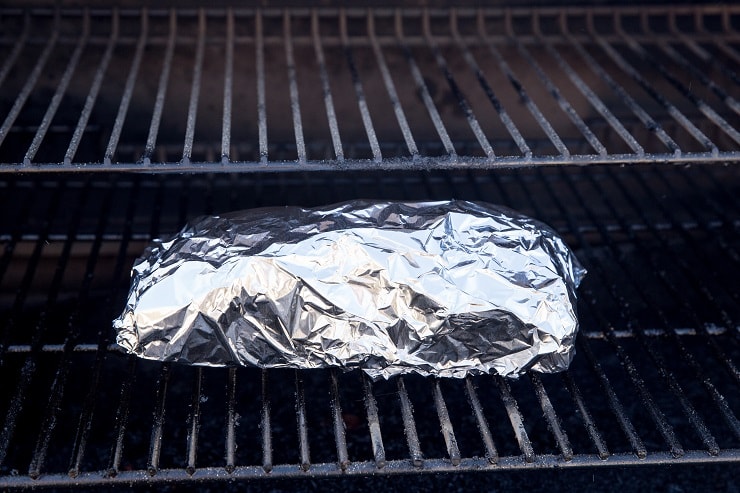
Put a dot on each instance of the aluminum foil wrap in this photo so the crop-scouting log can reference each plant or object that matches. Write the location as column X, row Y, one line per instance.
column 437, row 288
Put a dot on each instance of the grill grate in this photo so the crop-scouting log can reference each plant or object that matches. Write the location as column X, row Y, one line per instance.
column 366, row 89
column 655, row 380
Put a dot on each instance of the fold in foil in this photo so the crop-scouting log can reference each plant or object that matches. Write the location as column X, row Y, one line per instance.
column 448, row 288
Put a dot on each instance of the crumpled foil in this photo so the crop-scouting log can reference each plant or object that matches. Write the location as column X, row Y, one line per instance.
column 448, row 288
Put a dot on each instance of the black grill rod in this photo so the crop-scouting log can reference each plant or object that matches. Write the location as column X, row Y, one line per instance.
column 729, row 290
column 681, row 60
column 228, row 87
column 338, row 422
column 448, row 433
column 326, row 88
column 552, row 418
column 516, row 419
column 461, row 100
column 61, row 89
column 231, row 422
column 31, row 81
column 480, row 421
column 194, row 421
column 295, row 106
column 706, row 110
column 532, row 107
column 495, row 102
column 552, row 88
column 703, row 54
column 128, row 89
column 300, row 409
column 623, row 95
column 588, row 421
column 101, row 352
column 19, row 44
column 187, row 150
column 582, row 87
column 421, row 87
column 583, row 345
column 259, row 49
column 92, row 95
column 638, row 78
column 409, row 424
column 29, row 367
column 390, row 87
column 160, row 398
column 665, row 429
column 265, row 424
column 718, row 39
column 721, row 188
column 688, row 274
column 121, row 419
column 367, row 121
column 633, row 324
column 56, row 392
column 371, row 408
column 24, row 209
column 151, row 140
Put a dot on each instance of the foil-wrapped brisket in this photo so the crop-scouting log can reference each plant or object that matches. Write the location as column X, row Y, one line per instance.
column 448, row 288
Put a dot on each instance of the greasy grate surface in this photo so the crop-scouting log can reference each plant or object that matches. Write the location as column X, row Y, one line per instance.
column 254, row 90
column 655, row 380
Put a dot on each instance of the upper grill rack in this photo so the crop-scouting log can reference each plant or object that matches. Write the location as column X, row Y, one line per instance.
column 255, row 90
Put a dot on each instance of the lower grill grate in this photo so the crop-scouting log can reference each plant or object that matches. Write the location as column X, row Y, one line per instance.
column 655, row 380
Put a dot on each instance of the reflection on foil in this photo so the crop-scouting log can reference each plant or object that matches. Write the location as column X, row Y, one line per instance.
column 448, row 288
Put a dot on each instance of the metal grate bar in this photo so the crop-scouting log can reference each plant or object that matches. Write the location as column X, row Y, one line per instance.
column 367, row 121
column 583, row 345
column 553, row 421
column 446, row 425
column 265, row 425
column 495, row 102
column 300, row 408
column 687, row 65
column 710, row 113
column 231, row 421
column 328, row 100
column 295, row 106
column 17, row 47
column 61, row 89
column 596, row 102
column 376, row 438
column 86, row 416
column 523, row 96
column 33, row 77
column 228, row 87
column 588, row 421
column 422, row 88
column 390, row 87
column 338, row 421
column 194, row 421
column 121, row 420
column 409, row 425
column 92, row 96
column 187, row 151
column 29, row 367
column 626, row 99
column 56, row 392
column 128, row 89
column 481, row 422
column 626, row 67
column 464, row 105
column 155, row 445
column 561, row 100
column 516, row 419
column 151, row 140
column 260, row 73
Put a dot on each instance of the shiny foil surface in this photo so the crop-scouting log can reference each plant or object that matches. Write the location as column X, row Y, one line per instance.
column 449, row 288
